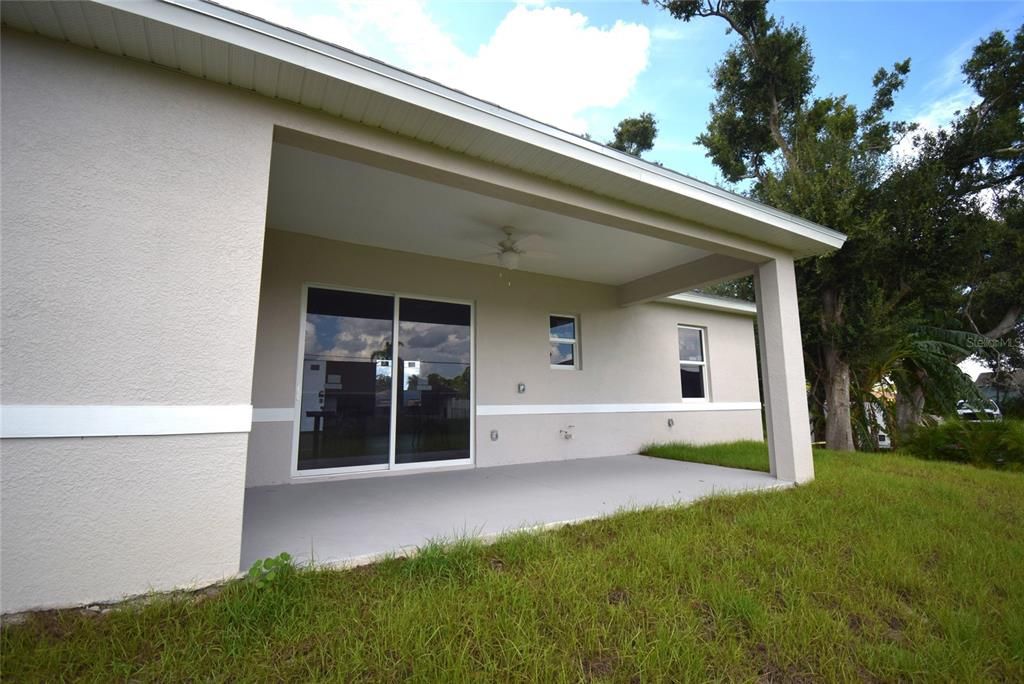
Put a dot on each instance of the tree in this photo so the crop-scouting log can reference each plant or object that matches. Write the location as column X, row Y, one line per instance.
column 887, row 297
column 635, row 135
column 968, row 180
column 819, row 158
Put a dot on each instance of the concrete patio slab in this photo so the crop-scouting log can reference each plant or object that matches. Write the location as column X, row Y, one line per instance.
column 348, row 521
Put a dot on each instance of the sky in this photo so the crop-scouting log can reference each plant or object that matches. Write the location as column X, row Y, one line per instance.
column 584, row 66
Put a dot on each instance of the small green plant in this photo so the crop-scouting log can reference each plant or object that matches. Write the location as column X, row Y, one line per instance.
column 269, row 571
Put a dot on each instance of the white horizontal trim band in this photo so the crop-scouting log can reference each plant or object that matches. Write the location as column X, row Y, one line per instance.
column 543, row 409
column 273, row 415
column 30, row 420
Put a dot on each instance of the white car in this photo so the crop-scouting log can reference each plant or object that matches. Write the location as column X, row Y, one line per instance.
column 975, row 413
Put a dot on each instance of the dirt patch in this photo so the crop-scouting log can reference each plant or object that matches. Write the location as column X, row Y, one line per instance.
column 596, row 668
column 896, row 626
column 855, row 623
column 771, row 672
column 706, row 615
column 618, row 596
column 905, row 595
column 866, row 675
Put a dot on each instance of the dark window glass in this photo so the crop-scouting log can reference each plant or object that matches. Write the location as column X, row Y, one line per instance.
column 692, row 379
column 434, row 348
column 345, row 409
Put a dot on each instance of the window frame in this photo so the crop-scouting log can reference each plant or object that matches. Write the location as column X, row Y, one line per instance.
column 574, row 341
column 703, row 365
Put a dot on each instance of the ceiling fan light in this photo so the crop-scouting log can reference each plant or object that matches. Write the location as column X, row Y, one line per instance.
column 509, row 260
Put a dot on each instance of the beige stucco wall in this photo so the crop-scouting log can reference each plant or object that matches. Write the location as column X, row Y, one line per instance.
column 133, row 214
column 133, row 211
column 101, row 518
column 628, row 355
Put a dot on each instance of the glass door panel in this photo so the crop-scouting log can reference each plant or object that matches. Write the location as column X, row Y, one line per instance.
column 345, row 408
column 433, row 376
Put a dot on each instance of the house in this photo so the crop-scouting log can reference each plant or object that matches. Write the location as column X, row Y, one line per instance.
column 235, row 257
column 1000, row 386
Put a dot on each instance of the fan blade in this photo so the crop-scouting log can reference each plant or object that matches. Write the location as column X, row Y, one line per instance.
column 539, row 255
column 529, row 242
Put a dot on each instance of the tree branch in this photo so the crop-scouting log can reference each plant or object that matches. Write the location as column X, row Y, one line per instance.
column 1008, row 323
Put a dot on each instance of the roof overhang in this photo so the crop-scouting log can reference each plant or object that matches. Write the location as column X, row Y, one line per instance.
column 230, row 47
column 699, row 300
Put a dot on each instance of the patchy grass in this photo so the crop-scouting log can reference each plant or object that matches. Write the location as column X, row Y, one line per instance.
column 884, row 568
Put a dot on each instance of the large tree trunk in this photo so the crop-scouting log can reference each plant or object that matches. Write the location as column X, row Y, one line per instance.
column 910, row 406
column 838, row 425
column 909, row 410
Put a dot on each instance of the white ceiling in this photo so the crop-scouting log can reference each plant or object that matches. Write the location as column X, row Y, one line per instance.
column 343, row 200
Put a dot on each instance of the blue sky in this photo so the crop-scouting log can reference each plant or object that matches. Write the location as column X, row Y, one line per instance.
column 585, row 65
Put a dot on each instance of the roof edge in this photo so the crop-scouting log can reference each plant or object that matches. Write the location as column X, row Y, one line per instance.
column 564, row 143
column 699, row 300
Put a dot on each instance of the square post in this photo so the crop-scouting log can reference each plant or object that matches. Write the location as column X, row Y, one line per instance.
column 782, row 371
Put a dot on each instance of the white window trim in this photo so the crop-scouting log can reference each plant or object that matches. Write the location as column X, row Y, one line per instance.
column 575, row 342
column 703, row 364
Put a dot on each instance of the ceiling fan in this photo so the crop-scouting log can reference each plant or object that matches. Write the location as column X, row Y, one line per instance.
column 513, row 246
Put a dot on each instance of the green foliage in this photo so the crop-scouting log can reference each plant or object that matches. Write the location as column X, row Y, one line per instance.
column 884, row 568
column 270, row 572
column 923, row 250
column 1013, row 407
column 990, row 443
column 635, row 135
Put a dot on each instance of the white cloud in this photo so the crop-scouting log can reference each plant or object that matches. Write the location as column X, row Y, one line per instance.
column 667, row 33
column 934, row 116
column 546, row 62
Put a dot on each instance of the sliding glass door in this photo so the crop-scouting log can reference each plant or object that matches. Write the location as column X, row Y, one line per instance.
column 433, row 382
column 345, row 408
column 368, row 403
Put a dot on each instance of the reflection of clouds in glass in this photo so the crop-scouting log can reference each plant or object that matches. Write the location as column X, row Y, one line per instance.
column 312, row 343
column 561, row 355
column 445, row 347
column 345, row 338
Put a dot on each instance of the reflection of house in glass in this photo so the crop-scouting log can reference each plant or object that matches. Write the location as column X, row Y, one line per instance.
column 438, row 393
column 330, row 386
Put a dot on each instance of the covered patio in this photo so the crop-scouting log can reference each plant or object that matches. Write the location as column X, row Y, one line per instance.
column 356, row 520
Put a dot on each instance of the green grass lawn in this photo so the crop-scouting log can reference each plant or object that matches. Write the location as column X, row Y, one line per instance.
column 884, row 568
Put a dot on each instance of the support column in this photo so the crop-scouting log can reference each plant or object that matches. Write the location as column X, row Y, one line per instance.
column 782, row 371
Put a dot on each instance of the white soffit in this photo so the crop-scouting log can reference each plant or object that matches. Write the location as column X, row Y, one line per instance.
column 226, row 46
column 344, row 200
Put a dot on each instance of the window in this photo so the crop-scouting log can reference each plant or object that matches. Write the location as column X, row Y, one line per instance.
column 564, row 342
column 692, row 363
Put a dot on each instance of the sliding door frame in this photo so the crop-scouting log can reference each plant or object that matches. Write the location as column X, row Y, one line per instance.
column 391, row 465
